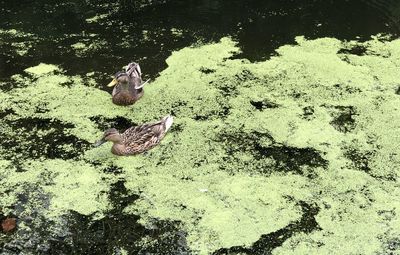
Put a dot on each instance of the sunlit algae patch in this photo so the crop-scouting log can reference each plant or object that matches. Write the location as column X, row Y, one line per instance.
column 316, row 125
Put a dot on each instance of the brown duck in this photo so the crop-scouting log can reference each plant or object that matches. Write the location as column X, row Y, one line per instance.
column 137, row 139
column 128, row 85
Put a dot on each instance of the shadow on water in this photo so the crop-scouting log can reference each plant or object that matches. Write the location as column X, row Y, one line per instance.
column 119, row 231
column 264, row 104
column 283, row 158
column 120, row 123
column 358, row 50
column 32, row 231
column 398, row 90
column 289, row 158
column 343, row 118
column 35, row 137
column 146, row 33
column 80, row 234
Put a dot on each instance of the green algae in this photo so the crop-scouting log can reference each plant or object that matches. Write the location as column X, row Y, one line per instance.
column 219, row 171
column 73, row 182
column 8, row 198
column 22, row 48
column 221, row 210
column 49, row 97
column 176, row 32
column 42, row 69
column 15, row 33
column 65, row 182
column 353, row 216
column 89, row 46
column 98, row 18
column 21, row 42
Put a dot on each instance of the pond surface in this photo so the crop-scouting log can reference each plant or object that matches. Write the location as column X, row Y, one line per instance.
column 285, row 138
column 147, row 33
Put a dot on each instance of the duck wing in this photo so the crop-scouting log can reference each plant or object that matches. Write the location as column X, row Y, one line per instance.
column 141, row 85
column 144, row 137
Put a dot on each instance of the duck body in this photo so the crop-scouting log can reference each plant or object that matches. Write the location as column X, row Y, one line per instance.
column 126, row 94
column 138, row 139
column 128, row 85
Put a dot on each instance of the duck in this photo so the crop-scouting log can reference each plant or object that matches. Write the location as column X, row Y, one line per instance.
column 128, row 85
column 137, row 139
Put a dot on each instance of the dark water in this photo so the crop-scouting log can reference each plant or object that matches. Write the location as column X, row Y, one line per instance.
column 259, row 27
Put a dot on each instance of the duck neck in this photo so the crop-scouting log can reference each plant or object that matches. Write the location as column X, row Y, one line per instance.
column 125, row 86
column 118, row 148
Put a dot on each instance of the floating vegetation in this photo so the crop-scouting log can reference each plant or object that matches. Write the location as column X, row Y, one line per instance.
column 21, row 42
column 88, row 48
column 295, row 154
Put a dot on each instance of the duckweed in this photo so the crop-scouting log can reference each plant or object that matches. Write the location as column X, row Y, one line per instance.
column 251, row 142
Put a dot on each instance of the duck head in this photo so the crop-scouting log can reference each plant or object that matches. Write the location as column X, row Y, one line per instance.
column 120, row 78
column 111, row 135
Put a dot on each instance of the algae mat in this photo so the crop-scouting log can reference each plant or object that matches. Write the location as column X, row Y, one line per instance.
column 298, row 154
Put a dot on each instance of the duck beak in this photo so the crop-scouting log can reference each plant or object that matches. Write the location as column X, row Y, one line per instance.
column 112, row 83
column 99, row 142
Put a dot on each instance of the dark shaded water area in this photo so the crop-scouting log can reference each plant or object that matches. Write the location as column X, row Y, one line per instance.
column 147, row 32
column 143, row 32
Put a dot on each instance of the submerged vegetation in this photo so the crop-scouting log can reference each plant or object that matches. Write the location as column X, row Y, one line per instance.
column 296, row 154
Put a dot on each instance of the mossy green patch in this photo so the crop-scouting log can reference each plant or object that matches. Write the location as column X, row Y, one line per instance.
column 42, row 69
column 97, row 18
column 64, row 98
column 19, row 41
column 63, row 182
column 250, row 143
column 89, row 46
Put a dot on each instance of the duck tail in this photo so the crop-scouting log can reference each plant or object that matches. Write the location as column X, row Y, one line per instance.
column 168, row 120
column 133, row 70
column 142, row 85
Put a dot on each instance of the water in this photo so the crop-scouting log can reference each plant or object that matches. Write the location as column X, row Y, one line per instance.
column 259, row 26
column 148, row 33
